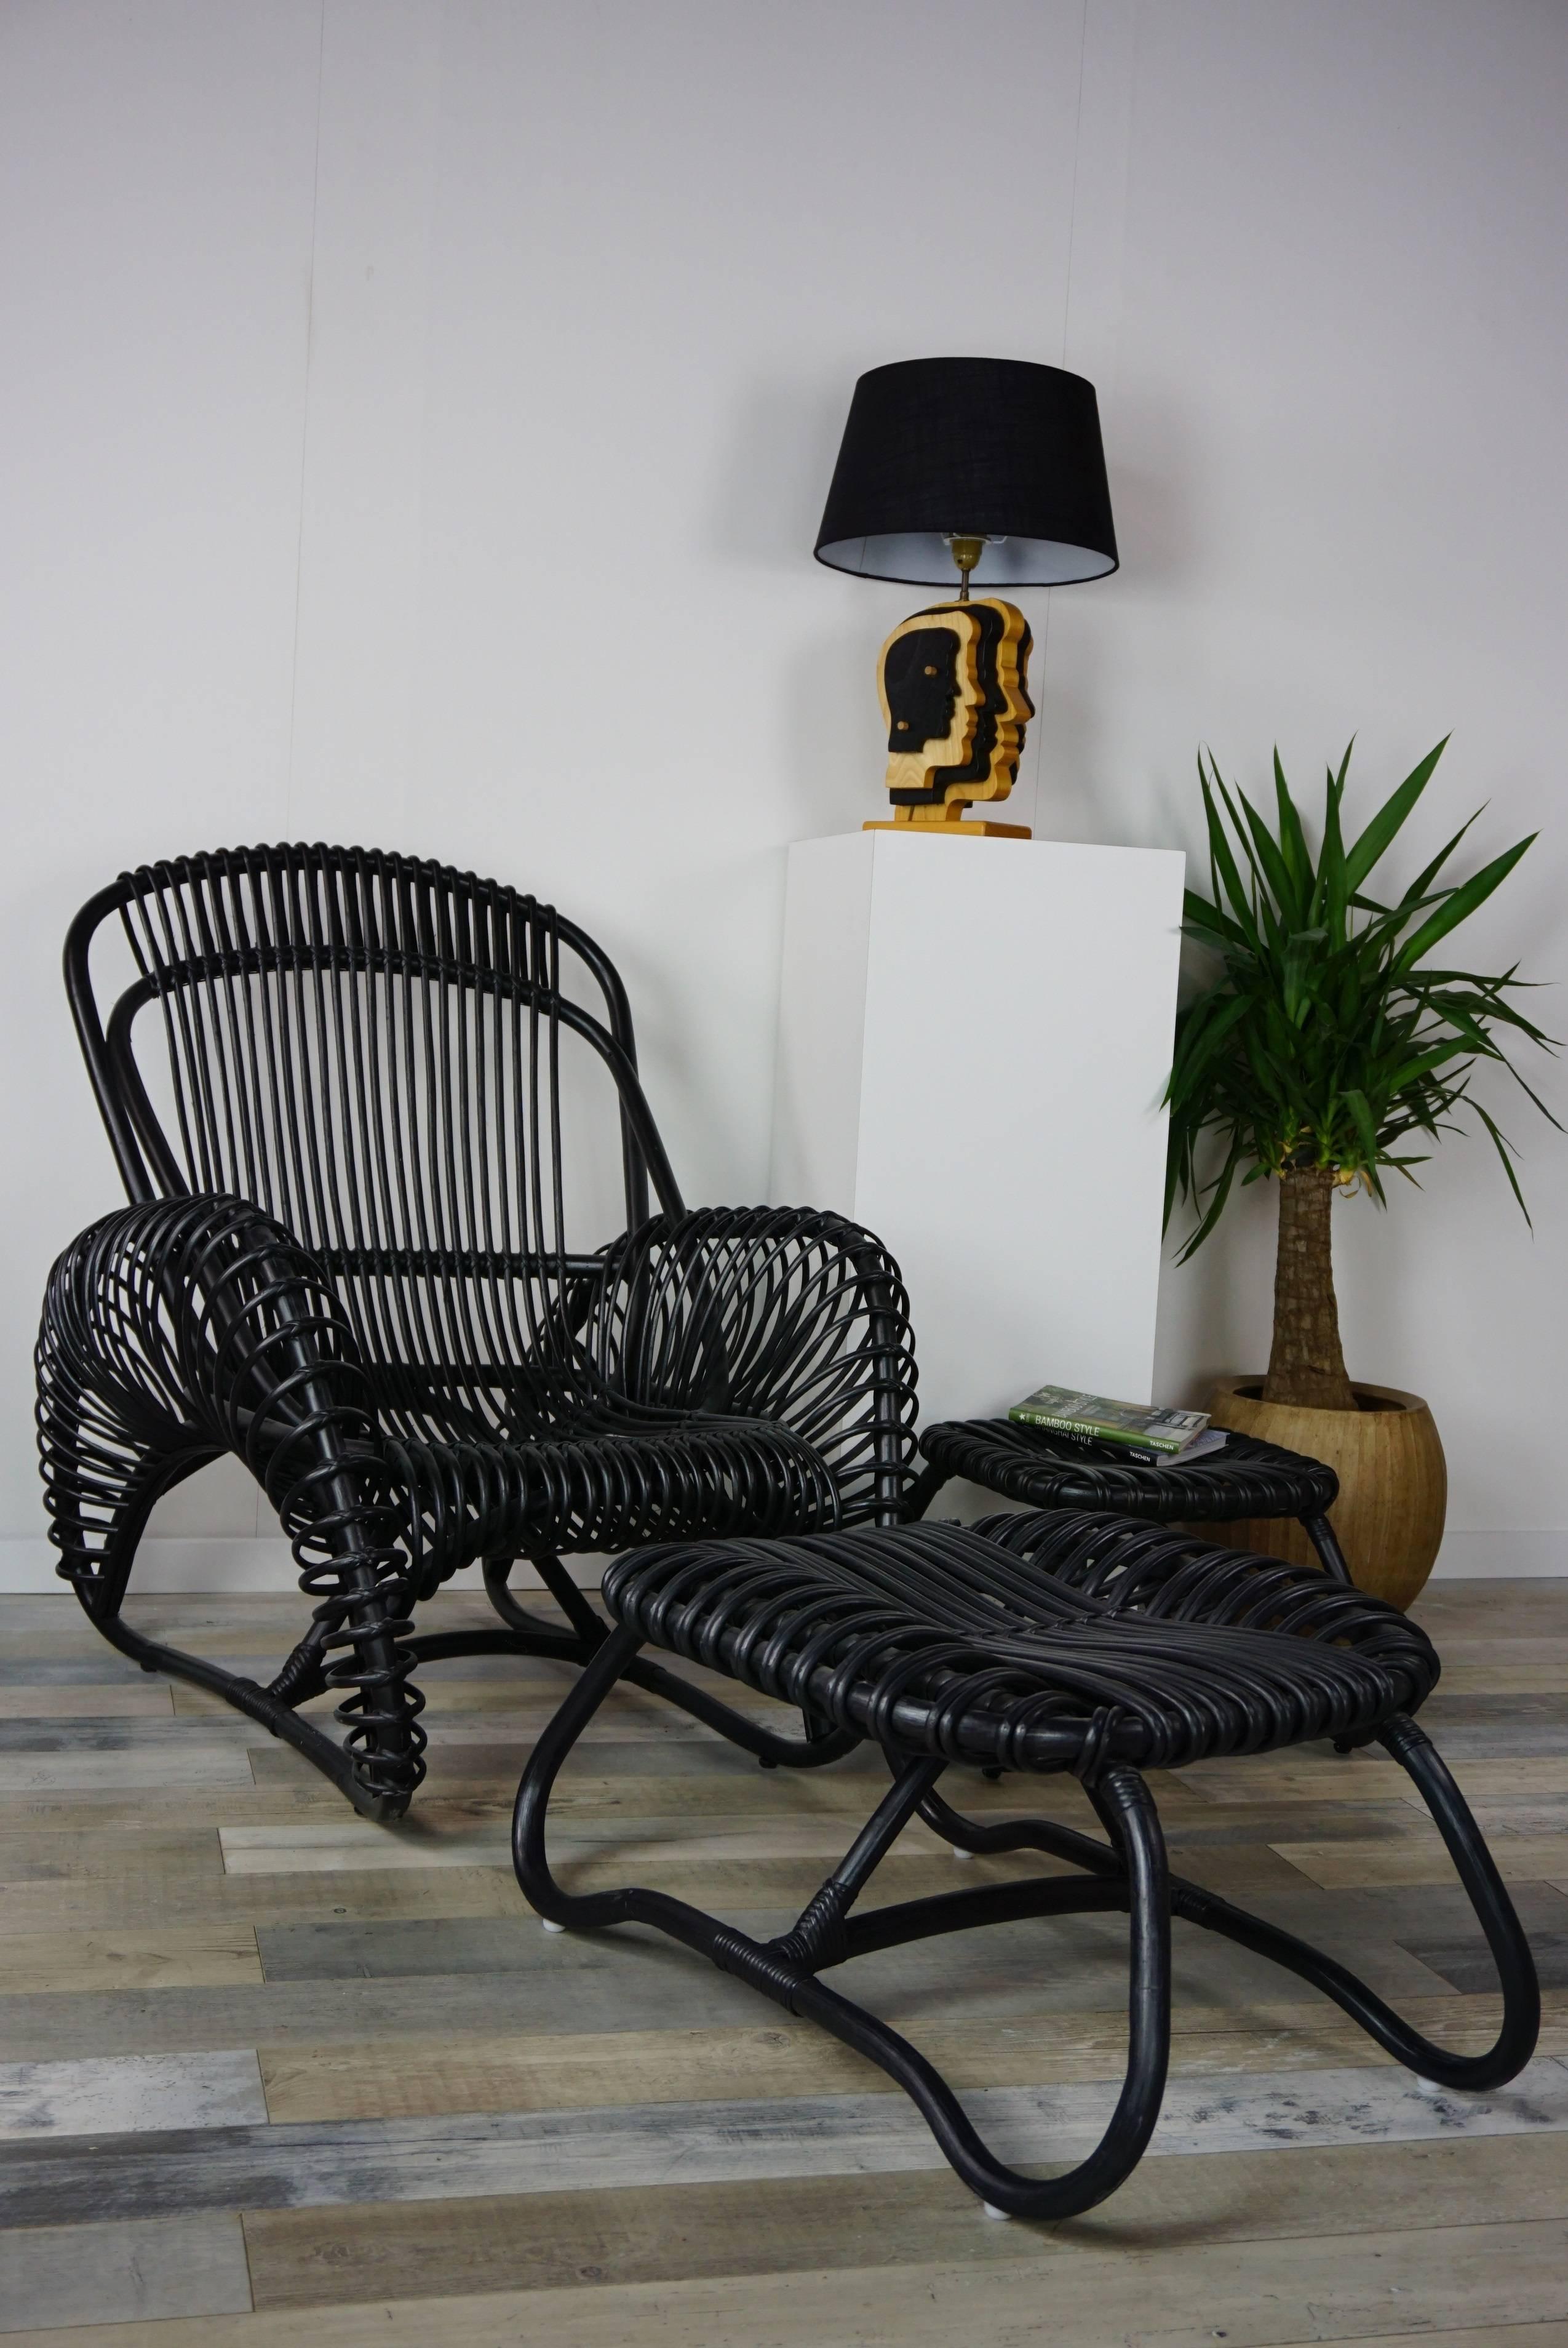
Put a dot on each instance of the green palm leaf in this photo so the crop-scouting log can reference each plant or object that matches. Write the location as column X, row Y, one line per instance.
column 1325, row 1038
column 1460, row 903
column 1385, row 825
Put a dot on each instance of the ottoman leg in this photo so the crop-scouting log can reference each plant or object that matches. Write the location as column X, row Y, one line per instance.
column 1131, row 1875
column 1320, row 1533
column 1495, row 1912
column 1138, row 1882
column 922, row 1491
column 614, row 1660
column 558, row 1907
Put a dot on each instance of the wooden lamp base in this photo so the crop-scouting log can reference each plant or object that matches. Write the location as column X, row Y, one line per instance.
column 952, row 682
column 946, row 823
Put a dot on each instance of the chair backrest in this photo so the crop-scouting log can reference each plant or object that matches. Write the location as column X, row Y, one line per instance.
column 369, row 1046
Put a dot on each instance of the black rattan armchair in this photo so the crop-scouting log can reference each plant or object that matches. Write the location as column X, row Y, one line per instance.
column 346, row 1262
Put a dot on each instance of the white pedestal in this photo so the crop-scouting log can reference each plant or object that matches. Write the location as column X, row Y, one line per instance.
column 974, row 1036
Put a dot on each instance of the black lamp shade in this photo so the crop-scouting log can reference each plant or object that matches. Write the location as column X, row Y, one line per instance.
column 997, row 448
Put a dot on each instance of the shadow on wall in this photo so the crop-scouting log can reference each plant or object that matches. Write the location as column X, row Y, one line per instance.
column 831, row 725
column 1214, row 1311
column 1154, row 453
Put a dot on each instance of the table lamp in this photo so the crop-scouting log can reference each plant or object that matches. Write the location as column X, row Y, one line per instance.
column 993, row 469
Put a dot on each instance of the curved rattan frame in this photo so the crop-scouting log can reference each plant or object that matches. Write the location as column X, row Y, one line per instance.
column 1052, row 1642
column 346, row 1263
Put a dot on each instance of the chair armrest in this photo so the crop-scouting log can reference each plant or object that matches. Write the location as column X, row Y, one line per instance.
column 200, row 1323
column 773, row 1313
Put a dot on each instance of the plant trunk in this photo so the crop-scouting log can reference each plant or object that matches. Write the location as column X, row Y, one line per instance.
column 1307, row 1367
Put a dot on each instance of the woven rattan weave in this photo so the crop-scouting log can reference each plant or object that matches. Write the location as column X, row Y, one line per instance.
column 1248, row 1479
column 1046, row 1643
column 333, row 1087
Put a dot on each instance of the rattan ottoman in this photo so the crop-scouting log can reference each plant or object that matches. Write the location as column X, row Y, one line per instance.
column 1050, row 1643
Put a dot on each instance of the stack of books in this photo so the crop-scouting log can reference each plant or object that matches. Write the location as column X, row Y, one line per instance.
column 1135, row 1431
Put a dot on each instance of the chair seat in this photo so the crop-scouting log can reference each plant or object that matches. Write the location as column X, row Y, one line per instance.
column 1042, row 1642
column 1248, row 1479
column 602, row 1480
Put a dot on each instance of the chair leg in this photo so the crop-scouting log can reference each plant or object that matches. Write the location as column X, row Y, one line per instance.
column 584, row 1627
column 785, row 1970
column 361, row 1598
column 1495, row 1912
column 100, row 1500
column 305, row 1674
column 120, row 1421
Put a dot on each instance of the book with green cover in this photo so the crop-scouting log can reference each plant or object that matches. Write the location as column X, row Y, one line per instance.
column 1096, row 1418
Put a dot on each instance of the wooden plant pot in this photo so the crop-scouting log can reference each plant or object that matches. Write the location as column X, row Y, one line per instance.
column 1393, row 1481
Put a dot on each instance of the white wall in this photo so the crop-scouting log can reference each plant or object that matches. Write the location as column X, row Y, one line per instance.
column 418, row 411
column 1333, row 353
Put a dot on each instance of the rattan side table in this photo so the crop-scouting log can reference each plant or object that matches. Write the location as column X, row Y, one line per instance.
column 1248, row 1479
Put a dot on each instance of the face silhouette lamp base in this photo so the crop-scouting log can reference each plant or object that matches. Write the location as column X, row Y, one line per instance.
column 995, row 465
column 954, row 686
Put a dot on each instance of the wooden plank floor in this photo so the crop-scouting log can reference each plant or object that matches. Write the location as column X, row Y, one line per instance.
column 269, row 2075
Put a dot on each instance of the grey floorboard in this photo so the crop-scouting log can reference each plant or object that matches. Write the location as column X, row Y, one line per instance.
column 707, row 1756
column 54, row 2277
column 1467, row 1964
column 116, row 2093
column 1532, row 1814
column 220, row 1734
column 380, row 1981
column 315, row 2163
column 89, row 1772
column 106, row 1667
column 1401, row 1912
column 1333, row 1822
column 1063, row 1962
column 676, row 1756
column 317, row 2011
column 477, row 1944
column 1516, row 1608
column 1499, row 1740
column 1441, row 1710
column 1012, row 1968
column 497, row 1748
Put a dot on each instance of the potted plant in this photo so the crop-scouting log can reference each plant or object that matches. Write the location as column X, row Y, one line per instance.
column 1325, row 1049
